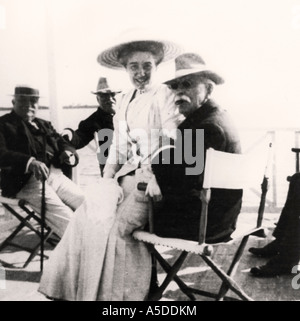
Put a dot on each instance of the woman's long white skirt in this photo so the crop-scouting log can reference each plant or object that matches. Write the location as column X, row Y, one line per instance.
column 97, row 258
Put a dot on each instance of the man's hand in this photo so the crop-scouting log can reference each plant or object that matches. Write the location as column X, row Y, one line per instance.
column 68, row 158
column 153, row 190
column 108, row 174
column 39, row 170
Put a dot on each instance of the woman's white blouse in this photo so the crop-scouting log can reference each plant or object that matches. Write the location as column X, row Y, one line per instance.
column 140, row 126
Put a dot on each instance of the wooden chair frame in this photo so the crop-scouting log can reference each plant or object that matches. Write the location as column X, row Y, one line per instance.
column 11, row 204
column 202, row 249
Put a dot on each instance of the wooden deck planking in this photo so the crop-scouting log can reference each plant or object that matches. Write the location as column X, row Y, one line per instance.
column 22, row 284
column 259, row 289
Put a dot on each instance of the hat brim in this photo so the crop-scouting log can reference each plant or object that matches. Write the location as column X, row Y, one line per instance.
column 218, row 80
column 16, row 95
column 31, row 95
column 106, row 91
column 109, row 57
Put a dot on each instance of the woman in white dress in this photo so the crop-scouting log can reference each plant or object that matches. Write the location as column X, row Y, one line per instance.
column 97, row 258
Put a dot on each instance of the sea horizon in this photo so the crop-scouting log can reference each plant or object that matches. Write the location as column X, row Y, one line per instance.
column 283, row 138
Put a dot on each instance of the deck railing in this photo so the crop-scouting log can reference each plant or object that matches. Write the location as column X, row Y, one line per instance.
column 283, row 164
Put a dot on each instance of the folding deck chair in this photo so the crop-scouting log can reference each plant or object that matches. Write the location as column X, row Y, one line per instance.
column 222, row 170
column 28, row 219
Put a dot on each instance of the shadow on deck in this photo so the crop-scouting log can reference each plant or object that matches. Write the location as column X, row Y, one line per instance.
column 22, row 284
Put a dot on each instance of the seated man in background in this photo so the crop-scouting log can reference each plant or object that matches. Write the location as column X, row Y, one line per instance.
column 32, row 151
column 102, row 118
column 284, row 250
column 179, row 214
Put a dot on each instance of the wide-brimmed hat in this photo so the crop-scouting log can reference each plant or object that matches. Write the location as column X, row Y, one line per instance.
column 103, row 87
column 24, row 90
column 141, row 40
column 192, row 64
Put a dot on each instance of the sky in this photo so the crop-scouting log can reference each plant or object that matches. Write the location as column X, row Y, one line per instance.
column 254, row 45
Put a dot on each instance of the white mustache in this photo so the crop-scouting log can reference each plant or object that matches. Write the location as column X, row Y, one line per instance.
column 142, row 79
column 180, row 99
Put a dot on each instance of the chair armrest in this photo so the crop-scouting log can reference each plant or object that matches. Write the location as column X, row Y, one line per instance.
column 11, row 201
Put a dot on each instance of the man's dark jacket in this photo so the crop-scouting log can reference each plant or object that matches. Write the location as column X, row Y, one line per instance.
column 86, row 128
column 287, row 231
column 85, row 133
column 17, row 146
column 179, row 214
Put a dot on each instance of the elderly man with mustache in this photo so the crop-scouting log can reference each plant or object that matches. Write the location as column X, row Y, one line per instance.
column 178, row 215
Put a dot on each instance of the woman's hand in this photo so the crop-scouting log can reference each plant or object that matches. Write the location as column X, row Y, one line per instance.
column 153, row 190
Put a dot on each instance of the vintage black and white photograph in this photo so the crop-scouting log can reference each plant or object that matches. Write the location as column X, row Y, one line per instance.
column 149, row 151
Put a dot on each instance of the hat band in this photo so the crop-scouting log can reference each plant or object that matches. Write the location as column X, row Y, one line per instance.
column 184, row 72
column 26, row 91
